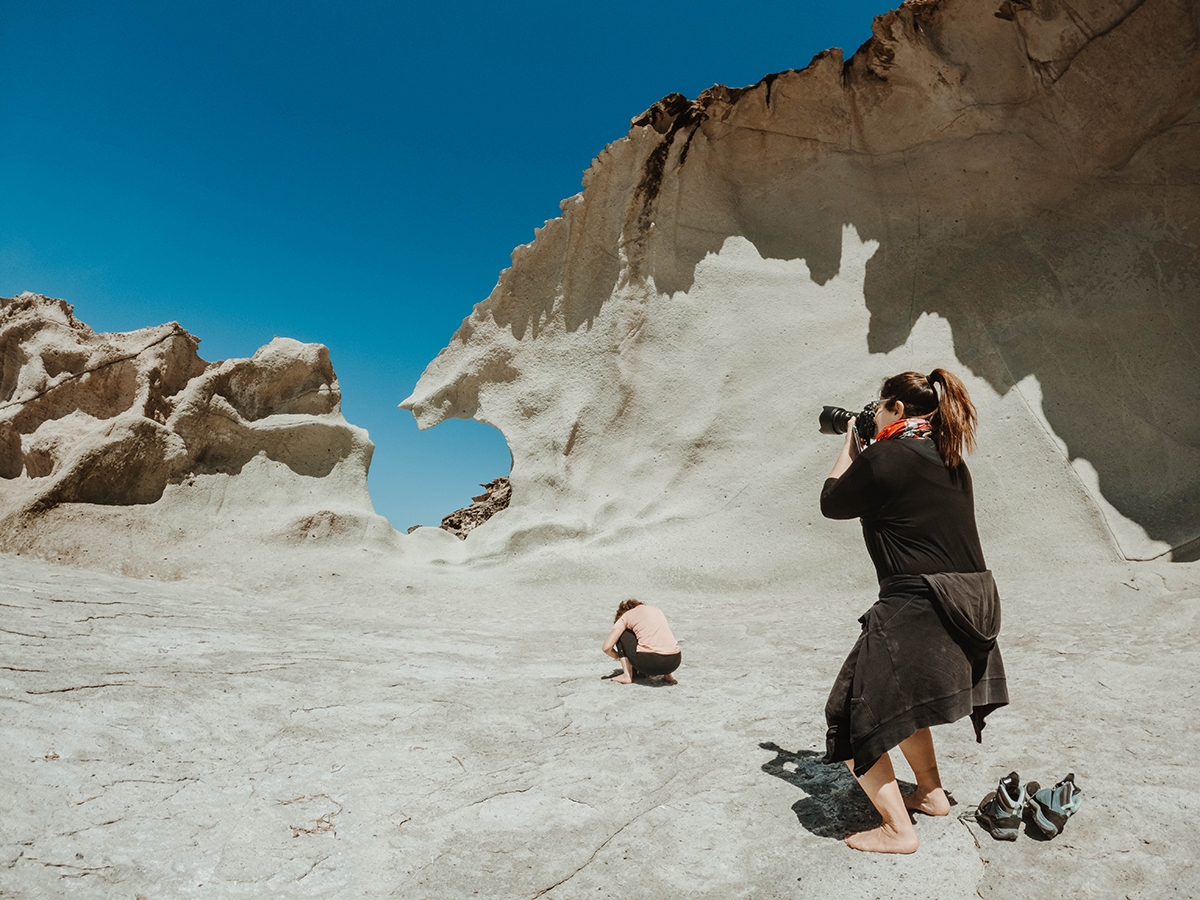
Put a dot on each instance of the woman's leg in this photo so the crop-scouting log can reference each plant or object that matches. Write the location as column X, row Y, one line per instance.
column 660, row 664
column 626, row 647
column 896, row 834
column 929, row 797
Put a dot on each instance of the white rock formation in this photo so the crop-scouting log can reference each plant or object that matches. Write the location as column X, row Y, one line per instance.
column 1006, row 189
column 115, row 445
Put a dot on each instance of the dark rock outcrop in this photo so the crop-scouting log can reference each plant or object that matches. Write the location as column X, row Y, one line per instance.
column 495, row 497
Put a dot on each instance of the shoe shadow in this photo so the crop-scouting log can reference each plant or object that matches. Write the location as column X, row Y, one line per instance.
column 834, row 805
column 1033, row 831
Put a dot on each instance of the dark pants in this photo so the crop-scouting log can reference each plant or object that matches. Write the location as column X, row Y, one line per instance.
column 646, row 663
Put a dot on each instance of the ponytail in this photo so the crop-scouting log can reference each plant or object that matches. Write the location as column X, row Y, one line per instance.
column 949, row 410
column 954, row 422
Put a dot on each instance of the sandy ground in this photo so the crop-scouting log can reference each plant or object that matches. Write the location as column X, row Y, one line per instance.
column 426, row 733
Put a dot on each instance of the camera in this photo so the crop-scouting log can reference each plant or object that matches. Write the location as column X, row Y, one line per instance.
column 835, row 420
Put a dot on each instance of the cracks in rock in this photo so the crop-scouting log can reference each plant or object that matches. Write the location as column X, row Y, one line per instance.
column 187, row 783
column 495, row 772
column 607, row 841
column 430, row 863
column 104, row 365
column 44, row 637
column 315, row 708
column 500, row 794
column 962, row 818
column 80, row 871
column 15, row 669
column 188, row 778
column 85, row 687
column 610, row 838
column 89, row 602
column 143, row 615
column 90, row 827
column 308, row 871
column 841, row 147
column 1078, row 21
column 1050, row 71
column 254, row 671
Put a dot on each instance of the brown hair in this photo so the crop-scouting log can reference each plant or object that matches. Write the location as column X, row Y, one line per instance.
column 950, row 411
column 626, row 606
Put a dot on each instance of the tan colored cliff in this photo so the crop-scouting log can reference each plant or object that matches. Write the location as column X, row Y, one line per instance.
column 1007, row 189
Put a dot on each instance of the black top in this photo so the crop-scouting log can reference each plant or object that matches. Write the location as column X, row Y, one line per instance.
column 918, row 516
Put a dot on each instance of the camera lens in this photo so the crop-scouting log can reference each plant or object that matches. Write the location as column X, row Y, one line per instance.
column 834, row 420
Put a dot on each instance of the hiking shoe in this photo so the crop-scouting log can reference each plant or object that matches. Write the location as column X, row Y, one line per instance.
column 1000, row 812
column 1051, row 807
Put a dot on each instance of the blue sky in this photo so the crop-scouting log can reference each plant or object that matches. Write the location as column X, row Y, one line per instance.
column 352, row 173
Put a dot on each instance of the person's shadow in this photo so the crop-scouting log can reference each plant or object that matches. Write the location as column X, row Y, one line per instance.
column 653, row 681
column 834, row 805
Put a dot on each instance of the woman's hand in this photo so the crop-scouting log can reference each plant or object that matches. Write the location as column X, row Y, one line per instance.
column 849, row 451
column 610, row 642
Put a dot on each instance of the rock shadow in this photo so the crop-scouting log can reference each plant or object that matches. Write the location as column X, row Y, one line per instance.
column 835, row 805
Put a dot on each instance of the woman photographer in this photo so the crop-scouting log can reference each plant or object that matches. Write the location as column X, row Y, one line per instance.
column 927, row 653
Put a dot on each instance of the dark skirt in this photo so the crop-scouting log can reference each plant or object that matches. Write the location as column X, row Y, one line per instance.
column 907, row 671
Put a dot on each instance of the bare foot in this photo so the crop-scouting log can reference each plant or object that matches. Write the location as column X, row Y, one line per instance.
column 932, row 803
column 669, row 679
column 623, row 679
column 884, row 839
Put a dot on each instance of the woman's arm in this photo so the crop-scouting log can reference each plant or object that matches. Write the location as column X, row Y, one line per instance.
column 851, row 491
column 849, row 451
column 611, row 641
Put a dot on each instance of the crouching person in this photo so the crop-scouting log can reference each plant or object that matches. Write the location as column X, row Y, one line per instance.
column 641, row 639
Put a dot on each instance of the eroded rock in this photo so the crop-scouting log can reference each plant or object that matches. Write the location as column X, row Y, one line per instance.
column 138, row 419
column 1006, row 190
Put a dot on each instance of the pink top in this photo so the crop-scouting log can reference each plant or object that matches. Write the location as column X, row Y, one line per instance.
column 653, row 632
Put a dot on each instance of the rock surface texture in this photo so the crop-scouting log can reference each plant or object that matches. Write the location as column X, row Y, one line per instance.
column 326, row 733
column 1007, row 189
column 111, row 444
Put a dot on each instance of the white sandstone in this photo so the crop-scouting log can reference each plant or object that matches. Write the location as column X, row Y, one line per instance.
column 292, row 700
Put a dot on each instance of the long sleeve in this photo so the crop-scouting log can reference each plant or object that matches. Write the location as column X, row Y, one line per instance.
column 855, row 494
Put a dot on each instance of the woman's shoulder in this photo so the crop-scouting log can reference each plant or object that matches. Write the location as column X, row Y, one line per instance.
column 903, row 450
